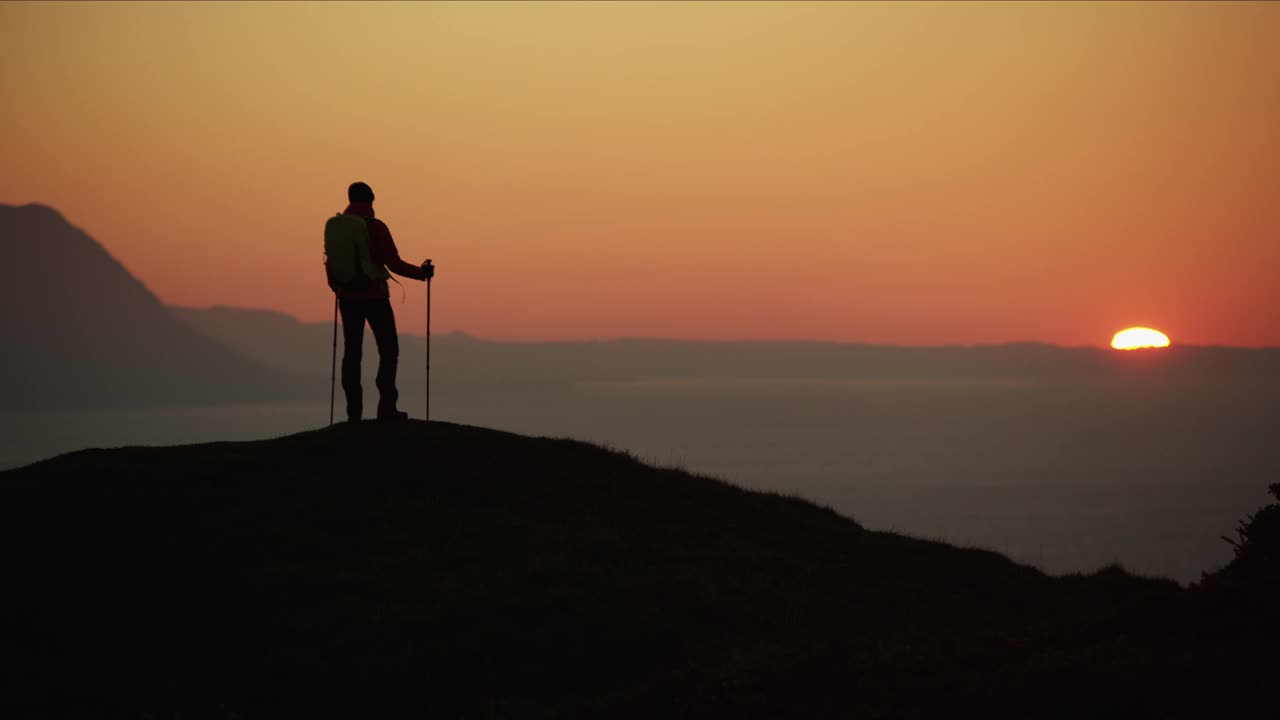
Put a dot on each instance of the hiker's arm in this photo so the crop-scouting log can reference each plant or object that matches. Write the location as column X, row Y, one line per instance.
column 385, row 249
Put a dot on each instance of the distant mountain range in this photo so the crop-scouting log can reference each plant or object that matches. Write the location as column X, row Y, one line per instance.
column 97, row 337
column 281, row 341
column 81, row 331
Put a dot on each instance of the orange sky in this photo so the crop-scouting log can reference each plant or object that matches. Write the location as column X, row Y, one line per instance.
column 902, row 173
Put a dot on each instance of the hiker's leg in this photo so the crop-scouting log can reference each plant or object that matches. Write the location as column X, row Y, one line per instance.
column 383, row 323
column 353, row 317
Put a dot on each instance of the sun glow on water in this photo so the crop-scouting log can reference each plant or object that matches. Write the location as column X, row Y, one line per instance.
column 1139, row 337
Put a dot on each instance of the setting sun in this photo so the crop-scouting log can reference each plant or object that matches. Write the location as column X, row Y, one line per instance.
column 1139, row 337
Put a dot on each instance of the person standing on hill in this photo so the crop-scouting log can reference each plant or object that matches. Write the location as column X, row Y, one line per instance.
column 359, row 252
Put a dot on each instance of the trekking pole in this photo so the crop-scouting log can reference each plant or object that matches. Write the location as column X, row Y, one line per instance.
column 333, row 369
column 430, row 273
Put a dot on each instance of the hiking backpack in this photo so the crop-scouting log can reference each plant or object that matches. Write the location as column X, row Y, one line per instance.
column 346, row 252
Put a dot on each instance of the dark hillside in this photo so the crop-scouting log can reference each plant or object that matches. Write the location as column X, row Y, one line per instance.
column 449, row 571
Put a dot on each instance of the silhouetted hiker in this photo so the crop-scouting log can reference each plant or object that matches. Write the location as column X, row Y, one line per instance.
column 358, row 253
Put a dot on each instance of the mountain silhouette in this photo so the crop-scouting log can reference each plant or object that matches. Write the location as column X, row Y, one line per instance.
column 83, row 332
column 281, row 341
column 439, row 570
column 269, row 337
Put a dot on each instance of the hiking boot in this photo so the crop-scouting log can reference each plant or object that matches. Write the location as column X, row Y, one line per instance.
column 392, row 416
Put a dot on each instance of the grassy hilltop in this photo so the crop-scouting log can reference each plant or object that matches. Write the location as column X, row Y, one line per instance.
column 449, row 571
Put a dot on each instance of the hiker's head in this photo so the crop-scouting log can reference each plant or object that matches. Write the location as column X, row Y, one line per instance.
column 360, row 193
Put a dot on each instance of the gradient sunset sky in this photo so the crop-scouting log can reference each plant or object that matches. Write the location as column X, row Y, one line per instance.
column 910, row 173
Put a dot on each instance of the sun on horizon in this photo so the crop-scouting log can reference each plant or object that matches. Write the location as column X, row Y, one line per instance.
column 1137, row 338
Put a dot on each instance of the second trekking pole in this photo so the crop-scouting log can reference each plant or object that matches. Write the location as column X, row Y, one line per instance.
column 430, row 271
column 333, row 369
